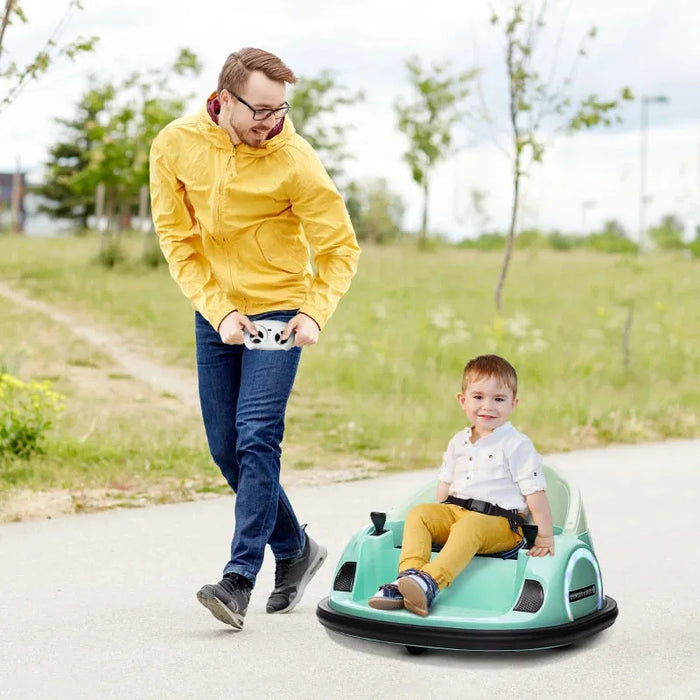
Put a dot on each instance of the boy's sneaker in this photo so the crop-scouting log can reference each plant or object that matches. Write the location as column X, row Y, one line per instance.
column 418, row 590
column 292, row 575
column 388, row 597
column 227, row 600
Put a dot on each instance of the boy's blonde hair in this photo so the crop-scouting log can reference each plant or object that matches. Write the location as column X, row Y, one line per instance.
column 485, row 366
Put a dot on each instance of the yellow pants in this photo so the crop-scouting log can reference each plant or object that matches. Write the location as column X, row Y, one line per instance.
column 463, row 533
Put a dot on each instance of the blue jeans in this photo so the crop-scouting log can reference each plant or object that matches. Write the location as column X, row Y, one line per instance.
column 243, row 394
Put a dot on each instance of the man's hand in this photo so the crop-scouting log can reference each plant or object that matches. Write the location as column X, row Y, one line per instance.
column 232, row 327
column 542, row 547
column 305, row 330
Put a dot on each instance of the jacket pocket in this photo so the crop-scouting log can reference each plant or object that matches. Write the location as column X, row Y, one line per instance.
column 281, row 246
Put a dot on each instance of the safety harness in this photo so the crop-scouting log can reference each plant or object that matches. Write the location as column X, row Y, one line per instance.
column 512, row 516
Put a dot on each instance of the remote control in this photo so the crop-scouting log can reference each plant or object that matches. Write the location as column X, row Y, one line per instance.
column 268, row 336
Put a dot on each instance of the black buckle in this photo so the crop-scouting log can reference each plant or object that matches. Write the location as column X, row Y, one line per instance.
column 483, row 507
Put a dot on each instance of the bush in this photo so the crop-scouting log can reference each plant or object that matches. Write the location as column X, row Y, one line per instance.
column 609, row 243
column 152, row 255
column 668, row 235
column 694, row 248
column 490, row 241
column 558, row 241
column 27, row 411
column 111, row 252
column 612, row 239
column 530, row 238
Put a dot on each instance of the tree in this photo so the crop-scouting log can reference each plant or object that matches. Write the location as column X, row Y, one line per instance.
column 65, row 193
column 122, row 158
column 313, row 101
column 17, row 76
column 668, row 235
column 532, row 100
column 109, row 139
column 428, row 121
column 694, row 245
column 376, row 212
column 477, row 209
column 612, row 239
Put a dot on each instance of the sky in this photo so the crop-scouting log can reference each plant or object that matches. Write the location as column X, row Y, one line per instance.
column 584, row 180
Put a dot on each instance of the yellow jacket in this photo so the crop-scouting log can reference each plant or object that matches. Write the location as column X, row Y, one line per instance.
column 235, row 223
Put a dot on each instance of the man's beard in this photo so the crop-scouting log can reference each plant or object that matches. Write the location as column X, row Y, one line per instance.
column 248, row 138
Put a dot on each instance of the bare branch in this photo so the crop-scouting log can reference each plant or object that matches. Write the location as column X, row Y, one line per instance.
column 557, row 45
column 484, row 112
column 45, row 55
column 9, row 8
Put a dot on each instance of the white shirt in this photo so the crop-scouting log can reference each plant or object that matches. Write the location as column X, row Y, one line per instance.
column 502, row 467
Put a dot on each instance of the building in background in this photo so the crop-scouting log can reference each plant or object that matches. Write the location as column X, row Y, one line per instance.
column 13, row 188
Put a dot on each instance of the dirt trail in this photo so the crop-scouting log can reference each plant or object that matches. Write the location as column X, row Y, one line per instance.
column 136, row 358
column 175, row 381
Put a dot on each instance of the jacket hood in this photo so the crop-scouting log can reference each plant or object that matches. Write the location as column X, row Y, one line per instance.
column 219, row 137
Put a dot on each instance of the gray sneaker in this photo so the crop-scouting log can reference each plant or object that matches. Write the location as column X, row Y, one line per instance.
column 227, row 600
column 292, row 575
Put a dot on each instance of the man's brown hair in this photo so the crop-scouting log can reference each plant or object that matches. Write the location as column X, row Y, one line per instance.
column 486, row 366
column 239, row 65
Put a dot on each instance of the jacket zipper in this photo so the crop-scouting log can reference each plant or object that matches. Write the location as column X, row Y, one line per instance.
column 231, row 161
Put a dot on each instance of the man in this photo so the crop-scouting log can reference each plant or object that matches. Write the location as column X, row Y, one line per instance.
column 237, row 198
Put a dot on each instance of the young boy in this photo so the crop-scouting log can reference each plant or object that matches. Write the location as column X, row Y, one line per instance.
column 490, row 473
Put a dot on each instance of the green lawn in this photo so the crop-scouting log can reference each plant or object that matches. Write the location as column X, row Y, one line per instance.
column 114, row 433
column 381, row 384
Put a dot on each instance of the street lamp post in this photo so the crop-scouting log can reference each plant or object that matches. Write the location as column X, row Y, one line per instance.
column 585, row 206
column 644, row 125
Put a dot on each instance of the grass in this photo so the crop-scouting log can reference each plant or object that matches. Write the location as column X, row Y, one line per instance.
column 395, row 352
column 113, row 434
column 381, row 384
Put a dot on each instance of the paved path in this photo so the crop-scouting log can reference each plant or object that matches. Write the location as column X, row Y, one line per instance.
column 103, row 606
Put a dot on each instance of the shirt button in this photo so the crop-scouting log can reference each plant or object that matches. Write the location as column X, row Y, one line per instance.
column 471, row 458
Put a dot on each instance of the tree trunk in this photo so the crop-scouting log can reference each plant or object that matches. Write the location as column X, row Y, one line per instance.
column 124, row 219
column 515, row 95
column 511, row 235
column 109, row 211
column 100, row 207
column 423, row 235
column 145, row 222
column 16, row 199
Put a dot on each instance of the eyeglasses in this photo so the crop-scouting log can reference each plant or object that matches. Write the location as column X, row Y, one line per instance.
column 260, row 115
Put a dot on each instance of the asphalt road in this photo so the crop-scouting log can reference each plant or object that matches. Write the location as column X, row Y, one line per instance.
column 103, row 605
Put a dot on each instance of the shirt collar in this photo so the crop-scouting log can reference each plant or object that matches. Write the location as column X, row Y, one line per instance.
column 495, row 435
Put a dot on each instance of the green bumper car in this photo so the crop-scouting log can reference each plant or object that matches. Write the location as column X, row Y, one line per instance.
column 495, row 604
